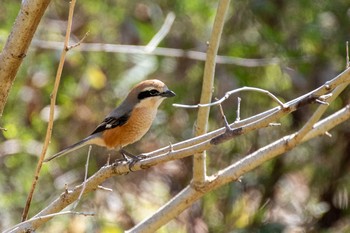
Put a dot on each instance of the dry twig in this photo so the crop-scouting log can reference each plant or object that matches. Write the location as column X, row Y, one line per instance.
column 161, row 34
column 52, row 109
column 229, row 93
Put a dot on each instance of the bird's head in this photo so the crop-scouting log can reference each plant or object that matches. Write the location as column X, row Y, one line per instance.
column 150, row 93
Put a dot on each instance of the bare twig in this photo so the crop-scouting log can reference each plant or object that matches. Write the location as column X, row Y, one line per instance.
column 227, row 125
column 347, row 55
column 238, row 112
column 163, row 31
column 168, row 52
column 15, row 228
column 78, row 43
column 227, row 95
column 85, row 178
column 52, row 109
column 104, row 188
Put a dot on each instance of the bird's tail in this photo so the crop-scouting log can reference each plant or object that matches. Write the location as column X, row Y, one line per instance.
column 80, row 144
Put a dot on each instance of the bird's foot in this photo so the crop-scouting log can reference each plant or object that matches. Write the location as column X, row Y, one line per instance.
column 130, row 158
column 117, row 161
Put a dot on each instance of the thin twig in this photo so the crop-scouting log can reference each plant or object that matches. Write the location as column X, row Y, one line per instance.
column 227, row 95
column 14, row 228
column 238, row 112
column 163, row 31
column 52, row 109
column 85, row 178
column 167, row 52
column 227, row 125
column 79, row 42
column 104, row 188
column 347, row 55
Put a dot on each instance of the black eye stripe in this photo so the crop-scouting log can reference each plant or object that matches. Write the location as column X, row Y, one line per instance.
column 148, row 93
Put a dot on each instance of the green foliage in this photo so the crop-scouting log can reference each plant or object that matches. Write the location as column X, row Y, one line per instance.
column 306, row 188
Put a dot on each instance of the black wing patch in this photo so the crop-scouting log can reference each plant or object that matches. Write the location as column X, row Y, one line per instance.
column 111, row 122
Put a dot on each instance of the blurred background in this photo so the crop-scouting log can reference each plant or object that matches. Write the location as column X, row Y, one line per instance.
column 291, row 47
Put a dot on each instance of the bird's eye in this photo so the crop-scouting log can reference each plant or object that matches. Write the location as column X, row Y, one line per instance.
column 148, row 93
column 153, row 92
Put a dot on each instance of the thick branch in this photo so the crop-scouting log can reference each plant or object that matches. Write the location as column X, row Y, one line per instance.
column 17, row 44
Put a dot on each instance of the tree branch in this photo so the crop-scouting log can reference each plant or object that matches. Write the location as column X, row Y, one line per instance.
column 199, row 159
column 201, row 143
column 17, row 44
column 190, row 194
column 52, row 111
column 163, row 31
column 168, row 52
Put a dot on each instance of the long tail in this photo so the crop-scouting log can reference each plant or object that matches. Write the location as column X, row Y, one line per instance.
column 80, row 144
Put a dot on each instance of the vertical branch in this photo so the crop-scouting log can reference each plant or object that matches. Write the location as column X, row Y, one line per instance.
column 199, row 165
column 52, row 109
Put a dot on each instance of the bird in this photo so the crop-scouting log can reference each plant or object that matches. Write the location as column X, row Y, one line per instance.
column 127, row 123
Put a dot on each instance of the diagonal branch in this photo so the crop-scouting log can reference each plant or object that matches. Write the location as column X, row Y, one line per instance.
column 205, row 142
column 271, row 115
column 189, row 194
column 232, row 173
column 17, row 44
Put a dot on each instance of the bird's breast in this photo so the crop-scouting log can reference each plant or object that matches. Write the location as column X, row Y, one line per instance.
column 137, row 125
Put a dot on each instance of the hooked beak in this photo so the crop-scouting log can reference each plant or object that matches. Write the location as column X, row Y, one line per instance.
column 168, row 93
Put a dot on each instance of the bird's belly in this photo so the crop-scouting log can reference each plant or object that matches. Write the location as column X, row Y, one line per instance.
column 137, row 126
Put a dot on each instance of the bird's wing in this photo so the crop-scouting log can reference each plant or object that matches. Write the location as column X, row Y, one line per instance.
column 108, row 123
column 111, row 122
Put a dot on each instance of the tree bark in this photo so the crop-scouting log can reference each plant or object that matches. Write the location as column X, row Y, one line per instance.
column 17, row 44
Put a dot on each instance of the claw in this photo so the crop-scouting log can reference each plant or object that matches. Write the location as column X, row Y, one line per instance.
column 126, row 154
column 134, row 159
column 132, row 163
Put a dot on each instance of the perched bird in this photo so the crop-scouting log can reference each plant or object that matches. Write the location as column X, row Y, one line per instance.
column 129, row 121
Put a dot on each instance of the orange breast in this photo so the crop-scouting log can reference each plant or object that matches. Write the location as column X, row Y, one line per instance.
column 138, row 124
